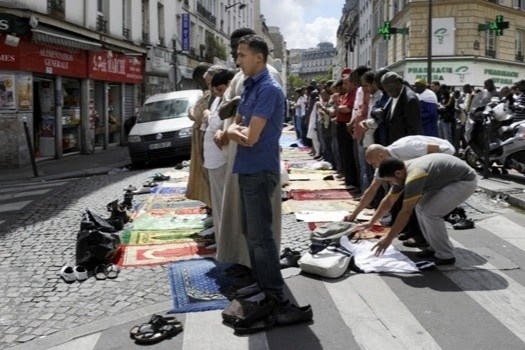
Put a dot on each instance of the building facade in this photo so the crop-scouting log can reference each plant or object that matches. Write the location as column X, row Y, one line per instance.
column 347, row 45
column 461, row 52
column 76, row 71
column 317, row 61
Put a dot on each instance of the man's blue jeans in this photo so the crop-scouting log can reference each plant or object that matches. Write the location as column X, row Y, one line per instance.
column 298, row 126
column 256, row 214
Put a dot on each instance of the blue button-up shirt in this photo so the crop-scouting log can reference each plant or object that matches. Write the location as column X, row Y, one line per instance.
column 262, row 97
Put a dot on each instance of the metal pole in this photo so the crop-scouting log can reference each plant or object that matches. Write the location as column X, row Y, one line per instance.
column 429, row 43
column 30, row 147
column 486, row 149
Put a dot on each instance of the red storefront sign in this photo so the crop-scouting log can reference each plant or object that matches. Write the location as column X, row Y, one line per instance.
column 116, row 67
column 52, row 60
column 9, row 59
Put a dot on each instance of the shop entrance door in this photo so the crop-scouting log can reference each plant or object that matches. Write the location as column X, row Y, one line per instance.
column 44, row 126
column 114, row 114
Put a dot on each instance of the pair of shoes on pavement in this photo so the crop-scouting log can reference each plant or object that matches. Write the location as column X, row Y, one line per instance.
column 427, row 253
column 289, row 258
column 102, row 271
column 463, row 224
column 71, row 274
column 157, row 329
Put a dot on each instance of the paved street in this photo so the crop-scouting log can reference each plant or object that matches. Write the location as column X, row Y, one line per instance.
column 479, row 306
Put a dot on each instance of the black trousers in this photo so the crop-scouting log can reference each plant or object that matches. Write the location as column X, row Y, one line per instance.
column 346, row 152
column 412, row 228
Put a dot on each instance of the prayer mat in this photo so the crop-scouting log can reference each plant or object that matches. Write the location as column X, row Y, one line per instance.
column 294, row 206
column 147, row 221
column 133, row 237
column 304, row 195
column 321, row 216
column 178, row 175
column 180, row 211
column 172, row 201
column 158, row 254
column 376, row 231
column 311, row 171
column 307, row 176
column 199, row 285
column 316, row 185
column 168, row 190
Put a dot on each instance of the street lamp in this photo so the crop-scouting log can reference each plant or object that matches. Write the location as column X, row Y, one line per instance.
column 227, row 7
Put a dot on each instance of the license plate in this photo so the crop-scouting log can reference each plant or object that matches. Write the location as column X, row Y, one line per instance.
column 160, row 145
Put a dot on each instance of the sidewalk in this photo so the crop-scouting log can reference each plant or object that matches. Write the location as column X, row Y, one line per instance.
column 504, row 190
column 78, row 165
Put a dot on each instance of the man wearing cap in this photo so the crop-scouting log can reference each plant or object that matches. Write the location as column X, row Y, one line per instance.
column 428, row 104
column 403, row 116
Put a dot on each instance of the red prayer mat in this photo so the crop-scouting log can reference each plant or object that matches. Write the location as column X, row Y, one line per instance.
column 158, row 254
column 304, row 195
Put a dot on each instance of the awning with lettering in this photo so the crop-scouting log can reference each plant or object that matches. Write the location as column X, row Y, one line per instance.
column 47, row 35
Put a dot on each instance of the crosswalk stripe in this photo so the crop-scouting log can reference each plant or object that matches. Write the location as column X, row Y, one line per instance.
column 204, row 331
column 4, row 197
column 497, row 293
column 85, row 343
column 13, row 206
column 505, row 229
column 32, row 186
column 378, row 319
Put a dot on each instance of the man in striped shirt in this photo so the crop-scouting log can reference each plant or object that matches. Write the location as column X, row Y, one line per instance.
column 433, row 185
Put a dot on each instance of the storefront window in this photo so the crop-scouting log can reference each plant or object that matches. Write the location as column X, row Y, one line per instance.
column 71, row 116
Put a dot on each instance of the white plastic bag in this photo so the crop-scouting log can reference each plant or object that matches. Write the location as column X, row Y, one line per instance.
column 326, row 263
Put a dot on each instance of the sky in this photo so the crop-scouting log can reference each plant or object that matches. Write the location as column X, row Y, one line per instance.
column 304, row 23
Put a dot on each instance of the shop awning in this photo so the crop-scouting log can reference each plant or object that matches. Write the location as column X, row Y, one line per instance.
column 47, row 35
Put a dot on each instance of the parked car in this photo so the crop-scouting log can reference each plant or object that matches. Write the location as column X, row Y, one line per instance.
column 163, row 128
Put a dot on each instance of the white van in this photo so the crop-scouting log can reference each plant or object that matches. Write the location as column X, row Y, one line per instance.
column 163, row 129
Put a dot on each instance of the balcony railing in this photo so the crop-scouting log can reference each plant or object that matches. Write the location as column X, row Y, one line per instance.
column 125, row 33
column 490, row 53
column 145, row 38
column 206, row 14
column 102, row 24
column 519, row 57
column 162, row 42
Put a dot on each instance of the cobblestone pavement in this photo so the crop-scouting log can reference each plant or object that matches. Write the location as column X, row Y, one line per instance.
column 36, row 302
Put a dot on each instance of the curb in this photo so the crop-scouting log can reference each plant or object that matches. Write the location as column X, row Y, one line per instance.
column 81, row 173
column 512, row 192
column 94, row 327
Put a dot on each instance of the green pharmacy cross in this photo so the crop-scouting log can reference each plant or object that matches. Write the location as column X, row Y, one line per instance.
column 386, row 30
column 496, row 26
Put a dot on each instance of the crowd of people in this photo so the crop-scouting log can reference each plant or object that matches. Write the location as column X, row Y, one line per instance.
column 389, row 141
column 367, row 120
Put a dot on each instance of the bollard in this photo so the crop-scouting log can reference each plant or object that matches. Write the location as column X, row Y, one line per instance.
column 30, row 147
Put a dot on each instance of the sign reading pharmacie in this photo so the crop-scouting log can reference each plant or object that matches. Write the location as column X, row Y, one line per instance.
column 116, row 67
column 459, row 73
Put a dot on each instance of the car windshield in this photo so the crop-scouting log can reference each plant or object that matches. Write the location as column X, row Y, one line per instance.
column 162, row 110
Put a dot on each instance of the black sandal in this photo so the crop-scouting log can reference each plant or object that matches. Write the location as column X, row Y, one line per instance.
column 155, row 321
column 151, row 334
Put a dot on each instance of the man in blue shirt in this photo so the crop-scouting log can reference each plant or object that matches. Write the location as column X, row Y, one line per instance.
column 257, row 164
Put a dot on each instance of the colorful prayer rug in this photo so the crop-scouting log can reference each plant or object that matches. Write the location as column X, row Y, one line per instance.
column 158, row 254
column 294, row 206
column 148, row 221
column 315, row 185
column 303, row 195
column 133, row 237
column 199, row 285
